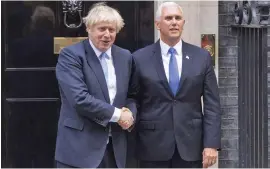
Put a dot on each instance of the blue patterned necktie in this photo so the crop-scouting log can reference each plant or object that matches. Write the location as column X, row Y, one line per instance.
column 103, row 63
column 173, row 71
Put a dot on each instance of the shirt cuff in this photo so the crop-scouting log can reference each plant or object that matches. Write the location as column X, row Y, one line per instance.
column 116, row 115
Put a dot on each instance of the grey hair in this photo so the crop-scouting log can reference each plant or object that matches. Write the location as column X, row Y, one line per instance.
column 166, row 4
column 100, row 12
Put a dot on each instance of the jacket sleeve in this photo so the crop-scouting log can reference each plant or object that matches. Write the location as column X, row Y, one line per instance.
column 70, row 76
column 133, row 89
column 212, row 110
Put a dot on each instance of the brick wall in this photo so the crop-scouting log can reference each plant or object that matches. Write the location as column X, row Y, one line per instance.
column 268, row 82
column 228, row 79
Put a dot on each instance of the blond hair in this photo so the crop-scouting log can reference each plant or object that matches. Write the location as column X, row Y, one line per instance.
column 100, row 12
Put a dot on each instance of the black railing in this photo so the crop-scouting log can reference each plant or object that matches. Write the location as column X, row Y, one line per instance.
column 253, row 100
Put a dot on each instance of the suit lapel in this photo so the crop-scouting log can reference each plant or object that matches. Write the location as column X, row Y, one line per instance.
column 117, row 62
column 94, row 63
column 160, row 67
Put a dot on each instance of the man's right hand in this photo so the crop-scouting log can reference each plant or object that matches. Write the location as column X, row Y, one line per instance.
column 126, row 118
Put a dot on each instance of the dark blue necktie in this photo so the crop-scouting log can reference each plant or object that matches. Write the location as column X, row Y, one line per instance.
column 173, row 71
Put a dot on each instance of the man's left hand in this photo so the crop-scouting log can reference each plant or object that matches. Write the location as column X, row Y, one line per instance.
column 209, row 157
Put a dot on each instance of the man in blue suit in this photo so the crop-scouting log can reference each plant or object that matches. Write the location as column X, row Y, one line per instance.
column 93, row 77
column 171, row 76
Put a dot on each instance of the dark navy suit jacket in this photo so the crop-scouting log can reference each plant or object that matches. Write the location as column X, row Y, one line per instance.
column 83, row 127
column 164, row 120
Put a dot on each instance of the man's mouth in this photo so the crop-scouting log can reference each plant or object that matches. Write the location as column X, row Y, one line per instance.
column 106, row 41
column 174, row 29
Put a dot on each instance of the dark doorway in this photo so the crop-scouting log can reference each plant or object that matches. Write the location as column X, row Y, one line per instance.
column 30, row 96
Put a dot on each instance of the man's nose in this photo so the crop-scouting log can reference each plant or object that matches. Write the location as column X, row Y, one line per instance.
column 107, row 32
column 174, row 21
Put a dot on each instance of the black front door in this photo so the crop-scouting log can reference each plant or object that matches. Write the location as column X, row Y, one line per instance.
column 33, row 32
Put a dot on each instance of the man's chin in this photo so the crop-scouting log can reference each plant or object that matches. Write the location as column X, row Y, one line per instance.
column 175, row 34
column 175, row 37
column 105, row 48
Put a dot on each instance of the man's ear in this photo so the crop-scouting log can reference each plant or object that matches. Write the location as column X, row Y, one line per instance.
column 157, row 24
column 183, row 25
column 88, row 30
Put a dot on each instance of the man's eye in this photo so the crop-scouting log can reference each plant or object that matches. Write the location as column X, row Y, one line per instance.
column 102, row 29
column 112, row 30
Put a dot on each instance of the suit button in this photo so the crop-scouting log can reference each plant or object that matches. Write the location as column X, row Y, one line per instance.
column 174, row 101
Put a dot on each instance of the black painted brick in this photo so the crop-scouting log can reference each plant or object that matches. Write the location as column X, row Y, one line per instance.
column 228, row 86
column 229, row 133
column 228, row 155
column 229, row 144
column 222, row 9
column 228, row 62
column 228, row 163
column 226, row 40
column 228, row 91
column 229, row 112
column 223, row 30
column 228, row 72
column 230, row 51
column 228, row 82
column 229, row 124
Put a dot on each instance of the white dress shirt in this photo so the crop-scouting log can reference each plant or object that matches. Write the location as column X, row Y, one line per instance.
column 111, row 81
column 166, row 57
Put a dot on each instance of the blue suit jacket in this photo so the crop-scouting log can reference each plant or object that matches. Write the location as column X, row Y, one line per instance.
column 165, row 121
column 83, row 127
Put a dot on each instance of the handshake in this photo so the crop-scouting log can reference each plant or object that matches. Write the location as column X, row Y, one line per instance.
column 126, row 119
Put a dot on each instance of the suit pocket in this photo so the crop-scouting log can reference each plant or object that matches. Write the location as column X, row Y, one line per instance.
column 73, row 124
column 197, row 132
column 144, row 125
column 154, row 125
column 197, row 124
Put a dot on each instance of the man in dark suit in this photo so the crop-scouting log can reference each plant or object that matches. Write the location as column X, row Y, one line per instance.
column 169, row 80
column 93, row 78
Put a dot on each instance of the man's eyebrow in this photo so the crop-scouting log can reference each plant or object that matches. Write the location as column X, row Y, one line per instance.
column 173, row 16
